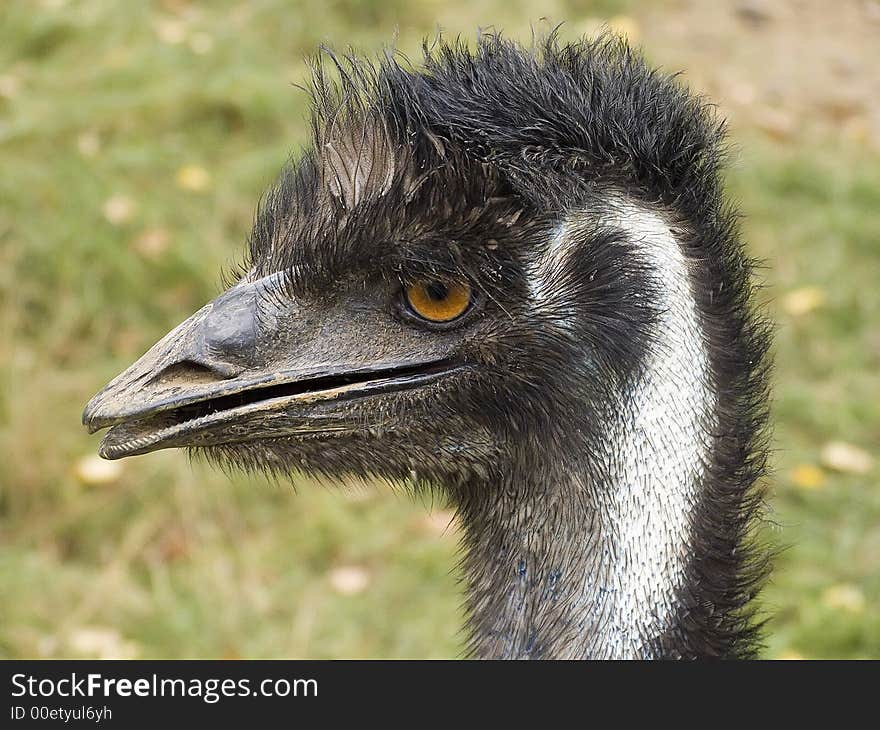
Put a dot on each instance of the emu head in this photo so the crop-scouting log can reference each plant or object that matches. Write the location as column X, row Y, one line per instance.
column 511, row 274
column 424, row 294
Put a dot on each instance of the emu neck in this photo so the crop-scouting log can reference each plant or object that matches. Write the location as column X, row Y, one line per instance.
column 586, row 556
column 562, row 568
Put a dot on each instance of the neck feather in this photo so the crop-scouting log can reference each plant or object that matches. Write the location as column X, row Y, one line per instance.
column 588, row 554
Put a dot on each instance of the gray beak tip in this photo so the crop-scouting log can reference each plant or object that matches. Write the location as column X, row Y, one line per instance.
column 91, row 415
column 88, row 416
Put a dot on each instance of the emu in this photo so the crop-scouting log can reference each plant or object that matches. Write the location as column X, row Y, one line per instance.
column 509, row 274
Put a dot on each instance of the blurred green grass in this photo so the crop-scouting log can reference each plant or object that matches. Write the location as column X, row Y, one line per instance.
column 176, row 560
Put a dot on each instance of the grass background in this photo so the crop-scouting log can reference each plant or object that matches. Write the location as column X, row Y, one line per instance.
column 134, row 144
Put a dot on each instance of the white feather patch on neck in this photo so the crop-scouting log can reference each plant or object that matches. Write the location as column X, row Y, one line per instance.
column 655, row 445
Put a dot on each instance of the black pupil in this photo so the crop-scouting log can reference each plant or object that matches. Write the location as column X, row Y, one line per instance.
column 437, row 291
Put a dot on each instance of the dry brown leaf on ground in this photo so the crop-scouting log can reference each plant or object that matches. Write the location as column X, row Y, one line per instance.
column 101, row 642
column 847, row 458
column 88, row 143
column 118, row 209
column 807, row 476
column 791, row 655
column 803, row 300
column 193, row 177
column 93, row 471
column 845, row 597
column 350, row 580
column 152, row 243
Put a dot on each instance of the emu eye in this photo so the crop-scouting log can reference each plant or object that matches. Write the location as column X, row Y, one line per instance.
column 437, row 301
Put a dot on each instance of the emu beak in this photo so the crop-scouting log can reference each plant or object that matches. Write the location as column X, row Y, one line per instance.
column 246, row 367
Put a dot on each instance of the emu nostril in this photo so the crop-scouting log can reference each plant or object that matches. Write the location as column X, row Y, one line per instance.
column 190, row 372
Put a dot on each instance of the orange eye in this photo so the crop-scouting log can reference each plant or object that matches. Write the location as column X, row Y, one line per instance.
column 438, row 301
